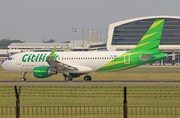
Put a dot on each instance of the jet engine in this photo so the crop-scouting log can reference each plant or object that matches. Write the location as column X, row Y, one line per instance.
column 43, row 72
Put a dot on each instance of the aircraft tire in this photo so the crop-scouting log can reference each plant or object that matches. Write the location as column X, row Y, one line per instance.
column 68, row 78
column 87, row 78
column 23, row 79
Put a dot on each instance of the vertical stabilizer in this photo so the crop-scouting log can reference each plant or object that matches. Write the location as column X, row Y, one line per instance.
column 150, row 41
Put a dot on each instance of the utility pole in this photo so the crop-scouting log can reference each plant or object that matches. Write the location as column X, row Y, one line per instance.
column 83, row 32
column 73, row 30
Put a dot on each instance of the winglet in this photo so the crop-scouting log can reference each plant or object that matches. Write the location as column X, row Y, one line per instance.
column 52, row 53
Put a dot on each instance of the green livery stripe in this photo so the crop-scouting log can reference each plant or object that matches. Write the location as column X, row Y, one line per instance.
column 147, row 45
column 156, row 23
column 118, row 61
column 148, row 35
column 151, row 38
column 121, row 68
column 142, row 44
column 113, row 63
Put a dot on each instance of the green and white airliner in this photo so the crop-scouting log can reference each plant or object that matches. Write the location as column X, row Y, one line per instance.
column 74, row 64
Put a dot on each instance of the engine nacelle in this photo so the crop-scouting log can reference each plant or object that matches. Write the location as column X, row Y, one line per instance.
column 43, row 72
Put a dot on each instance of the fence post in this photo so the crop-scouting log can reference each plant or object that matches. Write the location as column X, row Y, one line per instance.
column 17, row 101
column 125, row 103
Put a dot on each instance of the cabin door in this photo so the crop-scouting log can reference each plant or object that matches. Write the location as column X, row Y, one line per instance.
column 18, row 60
column 127, row 58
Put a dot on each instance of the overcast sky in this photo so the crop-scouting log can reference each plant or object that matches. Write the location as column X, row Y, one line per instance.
column 54, row 19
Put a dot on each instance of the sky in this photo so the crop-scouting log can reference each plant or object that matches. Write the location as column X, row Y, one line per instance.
column 35, row 20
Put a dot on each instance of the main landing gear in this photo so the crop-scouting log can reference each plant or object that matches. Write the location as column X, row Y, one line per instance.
column 87, row 77
column 24, row 76
column 68, row 78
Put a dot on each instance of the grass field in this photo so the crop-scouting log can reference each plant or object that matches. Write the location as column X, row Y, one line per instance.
column 101, row 96
column 162, row 74
column 96, row 95
column 91, row 96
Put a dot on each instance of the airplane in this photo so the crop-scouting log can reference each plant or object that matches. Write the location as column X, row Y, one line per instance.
column 75, row 64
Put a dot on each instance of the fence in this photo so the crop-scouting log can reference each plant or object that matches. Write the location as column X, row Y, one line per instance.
column 91, row 112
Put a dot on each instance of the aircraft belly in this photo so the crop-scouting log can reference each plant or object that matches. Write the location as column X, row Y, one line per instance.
column 88, row 66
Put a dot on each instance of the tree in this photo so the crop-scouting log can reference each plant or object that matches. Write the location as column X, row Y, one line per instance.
column 51, row 41
column 5, row 42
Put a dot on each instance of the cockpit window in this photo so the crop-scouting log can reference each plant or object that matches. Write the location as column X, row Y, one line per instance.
column 10, row 58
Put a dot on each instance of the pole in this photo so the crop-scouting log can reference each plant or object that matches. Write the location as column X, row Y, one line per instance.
column 73, row 30
column 125, row 103
column 17, row 93
column 83, row 33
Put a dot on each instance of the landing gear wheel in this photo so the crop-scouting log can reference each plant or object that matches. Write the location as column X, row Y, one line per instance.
column 87, row 78
column 24, row 76
column 23, row 79
column 68, row 78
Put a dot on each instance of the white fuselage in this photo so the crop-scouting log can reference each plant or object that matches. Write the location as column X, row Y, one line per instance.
column 27, row 61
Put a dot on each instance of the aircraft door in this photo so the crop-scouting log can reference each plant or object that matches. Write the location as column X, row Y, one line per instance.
column 18, row 60
column 127, row 58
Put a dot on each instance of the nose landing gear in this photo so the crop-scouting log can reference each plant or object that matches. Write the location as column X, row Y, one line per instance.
column 24, row 76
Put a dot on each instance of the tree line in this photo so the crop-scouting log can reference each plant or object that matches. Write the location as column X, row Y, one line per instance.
column 4, row 43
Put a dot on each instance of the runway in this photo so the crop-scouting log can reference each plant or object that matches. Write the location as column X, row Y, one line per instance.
column 91, row 83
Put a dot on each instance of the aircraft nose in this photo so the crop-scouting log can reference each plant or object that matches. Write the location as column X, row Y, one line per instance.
column 4, row 65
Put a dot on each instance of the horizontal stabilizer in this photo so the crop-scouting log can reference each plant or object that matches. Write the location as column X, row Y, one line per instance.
column 145, row 57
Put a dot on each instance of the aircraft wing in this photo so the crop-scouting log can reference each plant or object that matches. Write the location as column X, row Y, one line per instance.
column 54, row 64
column 145, row 57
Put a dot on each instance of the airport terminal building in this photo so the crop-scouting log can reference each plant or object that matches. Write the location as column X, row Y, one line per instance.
column 125, row 35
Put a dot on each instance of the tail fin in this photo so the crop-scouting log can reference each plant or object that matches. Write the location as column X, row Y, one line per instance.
column 150, row 41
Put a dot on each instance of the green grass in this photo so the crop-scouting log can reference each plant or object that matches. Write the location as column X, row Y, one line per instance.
column 1, row 69
column 157, row 68
column 91, row 96
column 158, row 74
column 86, row 96
column 96, row 95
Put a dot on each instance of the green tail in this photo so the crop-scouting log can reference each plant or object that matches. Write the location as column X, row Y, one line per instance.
column 150, row 41
column 146, row 51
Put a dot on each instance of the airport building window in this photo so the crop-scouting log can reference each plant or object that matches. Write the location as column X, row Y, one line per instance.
column 131, row 33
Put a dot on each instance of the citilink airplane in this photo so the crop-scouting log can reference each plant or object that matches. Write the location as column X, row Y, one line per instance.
column 74, row 64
